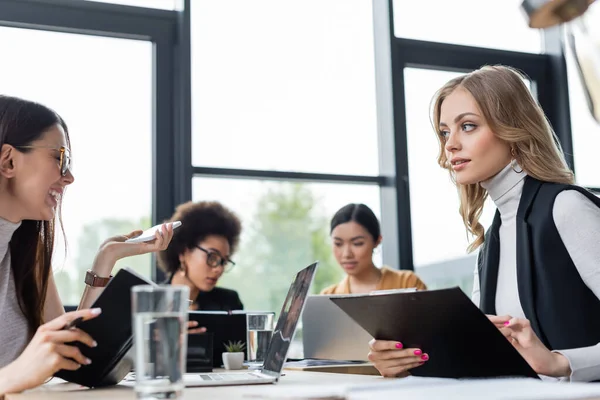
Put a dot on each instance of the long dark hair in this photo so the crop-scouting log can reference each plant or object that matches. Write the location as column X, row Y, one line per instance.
column 359, row 213
column 22, row 122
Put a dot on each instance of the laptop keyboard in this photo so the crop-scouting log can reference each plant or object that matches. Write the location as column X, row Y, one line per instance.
column 228, row 377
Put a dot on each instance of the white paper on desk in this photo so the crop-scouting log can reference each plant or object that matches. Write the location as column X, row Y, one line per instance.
column 491, row 389
column 301, row 392
column 343, row 391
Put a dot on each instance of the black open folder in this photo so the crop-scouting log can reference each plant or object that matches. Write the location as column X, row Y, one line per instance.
column 460, row 340
column 112, row 359
column 224, row 326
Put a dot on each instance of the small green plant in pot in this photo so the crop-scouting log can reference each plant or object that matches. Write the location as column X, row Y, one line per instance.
column 233, row 358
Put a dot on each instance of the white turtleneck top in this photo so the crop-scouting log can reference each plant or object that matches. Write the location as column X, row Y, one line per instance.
column 13, row 328
column 577, row 220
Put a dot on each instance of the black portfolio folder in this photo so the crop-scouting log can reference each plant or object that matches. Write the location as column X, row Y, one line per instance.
column 460, row 340
column 224, row 326
column 112, row 358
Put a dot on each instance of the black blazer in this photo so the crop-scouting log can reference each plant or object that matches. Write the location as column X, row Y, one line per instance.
column 218, row 299
column 563, row 311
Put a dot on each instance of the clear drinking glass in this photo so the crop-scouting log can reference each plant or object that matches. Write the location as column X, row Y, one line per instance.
column 260, row 330
column 160, row 315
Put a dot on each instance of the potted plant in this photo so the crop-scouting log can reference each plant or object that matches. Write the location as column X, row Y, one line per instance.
column 233, row 358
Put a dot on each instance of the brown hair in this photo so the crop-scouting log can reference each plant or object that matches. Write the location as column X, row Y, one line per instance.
column 516, row 118
column 32, row 244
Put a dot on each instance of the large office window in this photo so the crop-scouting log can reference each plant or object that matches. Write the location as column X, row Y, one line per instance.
column 498, row 24
column 286, row 90
column 102, row 87
column 284, row 85
column 268, row 94
column 586, row 130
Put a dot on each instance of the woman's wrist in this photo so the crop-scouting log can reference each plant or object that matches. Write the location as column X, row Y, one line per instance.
column 103, row 264
column 7, row 382
column 562, row 367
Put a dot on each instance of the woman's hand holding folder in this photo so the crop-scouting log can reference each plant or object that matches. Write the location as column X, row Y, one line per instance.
column 193, row 328
column 47, row 353
column 392, row 360
column 519, row 333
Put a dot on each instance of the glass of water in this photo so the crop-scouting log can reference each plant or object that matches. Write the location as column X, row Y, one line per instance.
column 260, row 330
column 160, row 315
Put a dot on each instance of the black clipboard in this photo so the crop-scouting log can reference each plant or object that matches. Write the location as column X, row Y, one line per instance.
column 460, row 340
column 113, row 358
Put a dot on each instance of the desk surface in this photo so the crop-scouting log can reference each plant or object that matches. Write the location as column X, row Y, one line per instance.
column 291, row 380
column 300, row 384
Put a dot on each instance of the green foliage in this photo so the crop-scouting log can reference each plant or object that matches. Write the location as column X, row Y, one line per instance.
column 288, row 231
column 235, row 347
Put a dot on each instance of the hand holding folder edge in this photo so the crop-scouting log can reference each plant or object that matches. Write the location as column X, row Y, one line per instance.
column 460, row 340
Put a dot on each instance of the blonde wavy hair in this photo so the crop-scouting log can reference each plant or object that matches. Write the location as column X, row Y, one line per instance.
column 515, row 117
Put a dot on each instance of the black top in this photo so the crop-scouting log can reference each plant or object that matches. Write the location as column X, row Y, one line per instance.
column 218, row 299
column 562, row 310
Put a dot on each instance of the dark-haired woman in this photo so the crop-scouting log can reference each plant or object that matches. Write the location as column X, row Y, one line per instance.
column 355, row 234
column 200, row 253
column 35, row 156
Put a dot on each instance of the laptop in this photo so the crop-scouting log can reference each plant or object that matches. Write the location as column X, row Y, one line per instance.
column 328, row 333
column 280, row 342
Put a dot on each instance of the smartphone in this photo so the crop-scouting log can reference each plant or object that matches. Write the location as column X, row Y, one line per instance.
column 72, row 324
column 150, row 234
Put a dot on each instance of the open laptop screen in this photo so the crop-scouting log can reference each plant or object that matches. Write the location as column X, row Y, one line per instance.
column 288, row 319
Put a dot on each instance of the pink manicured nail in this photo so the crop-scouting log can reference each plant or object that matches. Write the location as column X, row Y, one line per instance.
column 421, row 362
column 424, row 357
column 506, row 323
column 398, row 345
column 418, row 352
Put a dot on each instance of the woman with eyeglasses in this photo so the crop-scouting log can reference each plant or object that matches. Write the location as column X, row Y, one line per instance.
column 35, row 162
column 200, row 253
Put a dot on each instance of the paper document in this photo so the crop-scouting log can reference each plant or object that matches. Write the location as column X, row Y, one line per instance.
column 494, row 389
column 419, row 388
column 344, row 391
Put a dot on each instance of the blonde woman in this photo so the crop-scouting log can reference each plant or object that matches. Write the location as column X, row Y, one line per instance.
column 536, row 275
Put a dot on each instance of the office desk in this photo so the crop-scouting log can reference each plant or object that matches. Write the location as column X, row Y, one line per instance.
column 303, row 382
column 291, row 380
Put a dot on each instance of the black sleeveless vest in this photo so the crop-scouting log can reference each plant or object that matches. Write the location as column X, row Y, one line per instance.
column 563, row 311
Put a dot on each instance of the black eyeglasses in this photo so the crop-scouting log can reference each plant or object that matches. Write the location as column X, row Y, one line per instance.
column 215, row 260
column 65, row 156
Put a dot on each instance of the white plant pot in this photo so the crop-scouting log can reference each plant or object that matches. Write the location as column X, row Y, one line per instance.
column 233, row 360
